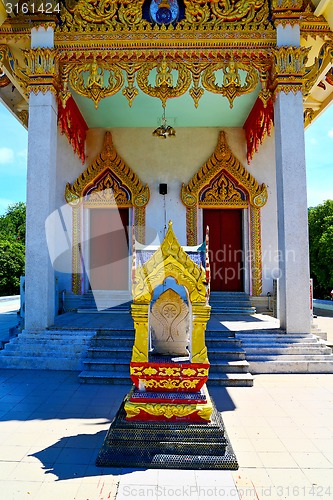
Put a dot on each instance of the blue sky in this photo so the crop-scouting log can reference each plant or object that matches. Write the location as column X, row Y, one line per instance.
column 13, row 158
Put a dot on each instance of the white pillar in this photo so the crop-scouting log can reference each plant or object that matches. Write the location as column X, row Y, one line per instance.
column 41, row 186
column 292, row 213
column 293, row 243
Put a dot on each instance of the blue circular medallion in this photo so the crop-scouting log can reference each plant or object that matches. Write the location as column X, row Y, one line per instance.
column 164, row 11
column 163, row 15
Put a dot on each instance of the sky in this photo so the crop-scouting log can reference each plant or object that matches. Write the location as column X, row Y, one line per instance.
column 13, row 159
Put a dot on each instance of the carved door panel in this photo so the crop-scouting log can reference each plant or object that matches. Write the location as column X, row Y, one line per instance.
column 109, row 249
column 225, row 248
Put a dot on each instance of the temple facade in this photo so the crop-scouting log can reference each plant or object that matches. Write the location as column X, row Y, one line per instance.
column 141, row 112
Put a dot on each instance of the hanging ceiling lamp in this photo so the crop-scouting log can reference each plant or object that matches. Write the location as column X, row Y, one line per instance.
column 164, row 130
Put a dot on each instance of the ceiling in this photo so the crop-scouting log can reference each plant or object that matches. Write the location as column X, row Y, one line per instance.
column 146, row 111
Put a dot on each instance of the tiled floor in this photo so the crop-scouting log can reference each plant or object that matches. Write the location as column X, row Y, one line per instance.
column 51, row 429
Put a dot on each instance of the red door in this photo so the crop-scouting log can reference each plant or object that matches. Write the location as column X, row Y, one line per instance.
column 225, row 248
column 109, row 249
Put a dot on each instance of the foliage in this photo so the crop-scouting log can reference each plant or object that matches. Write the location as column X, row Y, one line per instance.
column 321, row 247
column 12, row 249
column 11, row 266
column 12, row 224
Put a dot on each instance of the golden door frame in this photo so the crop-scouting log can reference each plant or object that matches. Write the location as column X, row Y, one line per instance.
column 107, row 182
column 223, row 182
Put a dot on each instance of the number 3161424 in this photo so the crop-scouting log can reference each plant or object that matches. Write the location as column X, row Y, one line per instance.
column 32, row 8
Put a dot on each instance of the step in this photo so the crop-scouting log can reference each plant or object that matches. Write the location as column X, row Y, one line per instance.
column 290, row 357
column 107, row 377
column 226, row 354
column 232, row 310
column 241, row 366
column 222, row 334
column 262, row 341
column 40, row 363
column 277, row 366
column 231, row 380
column 223, row 342
column 273, row 350
column 107, row 364
column 112, row 342
column 104, row 352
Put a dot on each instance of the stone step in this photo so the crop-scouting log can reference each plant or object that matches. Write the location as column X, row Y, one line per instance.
column 107, row 364
column 107, row 377
column 223, row 342
column 290, row 357
column 215, row 293
column 302, row 350
column 231, row 380
column 223, row 354
column 46, row 350
column 112, row 342
column 112, row 377
column 241, row 366
column 122, row 366
column 41, row 362
column 303, row 366
column 105, row 352
column 261, row 342
column 221, row 334
column 232, row 310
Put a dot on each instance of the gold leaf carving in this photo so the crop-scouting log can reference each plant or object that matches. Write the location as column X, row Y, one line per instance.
column 88, row 80
column 222, row 159
column 232, row 86
column 108, row 160
column 164, row 86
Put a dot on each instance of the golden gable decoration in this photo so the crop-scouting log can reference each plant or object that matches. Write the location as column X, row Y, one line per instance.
column 223, row 159
column 108, row 160
column 122, row 15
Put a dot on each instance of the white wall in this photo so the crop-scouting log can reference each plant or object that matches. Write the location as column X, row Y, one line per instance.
column 174, row 161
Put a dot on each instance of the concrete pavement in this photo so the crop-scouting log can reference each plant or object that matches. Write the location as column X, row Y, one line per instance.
column 52, row 427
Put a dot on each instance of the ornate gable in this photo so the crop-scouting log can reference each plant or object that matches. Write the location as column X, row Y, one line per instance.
column 108, row 172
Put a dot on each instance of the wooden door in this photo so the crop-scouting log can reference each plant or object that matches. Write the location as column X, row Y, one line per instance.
column 109, row 249
column 226, row 248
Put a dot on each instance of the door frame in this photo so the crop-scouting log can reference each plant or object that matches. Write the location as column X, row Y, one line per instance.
column 86, row 245
column 245, row 242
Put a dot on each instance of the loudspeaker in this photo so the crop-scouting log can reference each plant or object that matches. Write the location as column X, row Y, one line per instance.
column 163, row 188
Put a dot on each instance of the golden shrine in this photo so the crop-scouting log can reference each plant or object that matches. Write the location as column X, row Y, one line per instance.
column 186, row 374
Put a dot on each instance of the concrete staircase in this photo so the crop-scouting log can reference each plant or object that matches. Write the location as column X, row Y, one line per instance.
column 231, row 303
column 99, row 301
column 47, row 350
column 109, row 354
column 274, row 351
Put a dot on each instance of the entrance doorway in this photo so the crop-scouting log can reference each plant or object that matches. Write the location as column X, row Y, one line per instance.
column 225, row 248
column 109, row 249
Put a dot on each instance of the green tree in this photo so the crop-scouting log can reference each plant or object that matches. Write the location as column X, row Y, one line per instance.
column 321, row 247
column 12, row 258
column 12, row 248
column 12, row 224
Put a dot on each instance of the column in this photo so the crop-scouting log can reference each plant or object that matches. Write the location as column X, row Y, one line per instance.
column 291, row 182
column 41, row 182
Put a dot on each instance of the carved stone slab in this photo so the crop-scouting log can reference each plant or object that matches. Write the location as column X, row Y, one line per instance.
column 169, row 323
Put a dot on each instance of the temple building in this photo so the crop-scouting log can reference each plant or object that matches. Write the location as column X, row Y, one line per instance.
column 143, row 112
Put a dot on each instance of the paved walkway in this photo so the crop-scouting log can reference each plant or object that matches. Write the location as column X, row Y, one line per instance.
column 51, row 429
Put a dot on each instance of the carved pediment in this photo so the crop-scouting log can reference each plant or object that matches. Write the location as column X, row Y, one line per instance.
column 108, row 172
